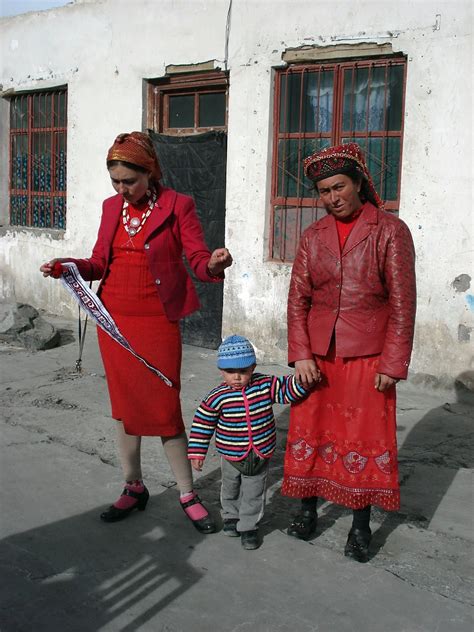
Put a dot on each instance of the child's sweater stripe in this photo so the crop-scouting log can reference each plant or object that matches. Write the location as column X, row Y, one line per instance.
column 223, row 411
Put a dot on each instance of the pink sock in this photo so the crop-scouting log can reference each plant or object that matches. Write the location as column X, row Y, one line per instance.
column 125, row 502
column 196, row 511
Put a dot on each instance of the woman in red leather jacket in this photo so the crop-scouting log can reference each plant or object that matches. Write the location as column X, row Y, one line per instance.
column 351, row 312
column 144, row 285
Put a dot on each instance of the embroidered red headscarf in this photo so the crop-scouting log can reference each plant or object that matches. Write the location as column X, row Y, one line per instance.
column 137, row 149
column 343, row 159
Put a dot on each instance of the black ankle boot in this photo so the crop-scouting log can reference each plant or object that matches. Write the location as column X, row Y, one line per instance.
column 304, row 523
column 357, row 546
column 358, row 541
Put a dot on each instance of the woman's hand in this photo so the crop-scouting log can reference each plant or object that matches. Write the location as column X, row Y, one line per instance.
column 384, row 382
column 47, row 268
column 219, row 261
column 197, row 464
column 307, row 373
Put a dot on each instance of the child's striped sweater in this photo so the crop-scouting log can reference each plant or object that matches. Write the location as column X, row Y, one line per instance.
column 242, row 420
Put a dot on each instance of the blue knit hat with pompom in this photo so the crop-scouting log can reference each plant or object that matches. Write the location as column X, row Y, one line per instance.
column 235, row 352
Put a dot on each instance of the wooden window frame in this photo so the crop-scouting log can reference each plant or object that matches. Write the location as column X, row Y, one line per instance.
column 284, row 251
column 159, row 91
column 32, row 100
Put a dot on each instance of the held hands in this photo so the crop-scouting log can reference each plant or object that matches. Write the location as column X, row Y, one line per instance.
column 384, row 382
column 219, row 261
column 197, row 464
column 307, row 373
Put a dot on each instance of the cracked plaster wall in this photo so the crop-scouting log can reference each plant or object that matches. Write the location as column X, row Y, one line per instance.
column 102, row 52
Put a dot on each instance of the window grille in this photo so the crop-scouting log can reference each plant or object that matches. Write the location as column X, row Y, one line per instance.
column 317, row 106
column 38, row 131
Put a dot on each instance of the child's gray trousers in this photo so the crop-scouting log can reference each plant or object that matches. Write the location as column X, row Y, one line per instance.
column 243, row 497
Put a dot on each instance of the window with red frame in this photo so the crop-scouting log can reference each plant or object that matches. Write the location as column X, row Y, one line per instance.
column 38, row 129
column 317, row 106
column 187, row 104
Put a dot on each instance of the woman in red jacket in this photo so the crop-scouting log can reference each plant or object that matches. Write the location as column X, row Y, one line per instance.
column 145, row 287
column 351, row 311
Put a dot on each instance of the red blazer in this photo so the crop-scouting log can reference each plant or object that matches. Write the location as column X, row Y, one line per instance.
column 172, row 228
column 366, row 294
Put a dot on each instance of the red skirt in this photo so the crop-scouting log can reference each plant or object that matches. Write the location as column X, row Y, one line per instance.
column 139, row 398
column 342, row 442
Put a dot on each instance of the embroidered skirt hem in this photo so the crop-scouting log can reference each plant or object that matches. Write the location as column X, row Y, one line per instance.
column 353, row 498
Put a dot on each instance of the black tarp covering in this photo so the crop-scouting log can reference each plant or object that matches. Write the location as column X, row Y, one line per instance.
column 196, row 165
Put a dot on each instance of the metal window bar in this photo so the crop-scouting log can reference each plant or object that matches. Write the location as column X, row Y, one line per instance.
column 283, row 245
column 34, row 204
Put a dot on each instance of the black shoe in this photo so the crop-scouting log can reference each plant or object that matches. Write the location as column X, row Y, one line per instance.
column 250, row 539
column 203, row 525
column 230, row 527
column 357, row 546
column 114, row 514
column 303, row 525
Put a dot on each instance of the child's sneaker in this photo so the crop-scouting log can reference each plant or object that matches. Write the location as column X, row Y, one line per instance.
column 250, row 539
column 230, row 527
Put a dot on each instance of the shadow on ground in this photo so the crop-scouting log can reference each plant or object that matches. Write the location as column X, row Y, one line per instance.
column 81, row 574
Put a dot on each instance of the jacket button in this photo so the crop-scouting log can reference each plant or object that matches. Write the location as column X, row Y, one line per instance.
column 338, row 286
column 336, row 310
column 157, row 281
column 147, row 246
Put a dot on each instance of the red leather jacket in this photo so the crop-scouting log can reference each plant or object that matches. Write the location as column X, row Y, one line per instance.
column 172, row 228
column 366, row 295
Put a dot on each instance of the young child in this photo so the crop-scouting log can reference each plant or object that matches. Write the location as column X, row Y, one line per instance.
column 240, row 412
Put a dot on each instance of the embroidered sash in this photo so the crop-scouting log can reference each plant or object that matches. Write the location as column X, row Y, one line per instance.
column 93, row 306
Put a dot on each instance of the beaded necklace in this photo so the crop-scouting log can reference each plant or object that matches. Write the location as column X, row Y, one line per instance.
column 134, row 225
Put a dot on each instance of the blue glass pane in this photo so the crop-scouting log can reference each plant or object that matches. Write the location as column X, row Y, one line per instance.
column 41, row 212
column 19, row 163
column 59, row 212
column 41, row 162
column 18, row 210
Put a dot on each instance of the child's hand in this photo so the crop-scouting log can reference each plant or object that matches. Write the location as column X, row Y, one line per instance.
column 197, row 464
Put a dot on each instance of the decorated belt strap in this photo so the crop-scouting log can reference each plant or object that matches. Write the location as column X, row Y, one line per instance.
column 93, row 306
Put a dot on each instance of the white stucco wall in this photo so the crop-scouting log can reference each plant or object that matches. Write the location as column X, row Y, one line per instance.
column 102, row 50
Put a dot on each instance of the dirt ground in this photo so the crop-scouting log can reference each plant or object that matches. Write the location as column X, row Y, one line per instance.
column 56, row 426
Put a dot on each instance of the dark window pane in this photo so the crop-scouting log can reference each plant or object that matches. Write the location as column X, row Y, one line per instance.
column 60, row 162
column 395, row 98
column 19, row 163
column 181, row 111
column 392, row 168
column 60, row 109
column 41, row 161
column 42, row 110
column 19, row 112
column 41, row 212
column 291, row 153
column 59, row 211
column 18, row 210
column 212, row 109
column 384, row 168
column 290, row 93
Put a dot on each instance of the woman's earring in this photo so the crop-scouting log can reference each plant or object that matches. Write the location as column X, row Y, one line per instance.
column 148, row 193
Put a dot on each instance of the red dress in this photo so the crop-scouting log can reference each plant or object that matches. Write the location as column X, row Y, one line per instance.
column 139, row 398
column 342, row 439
